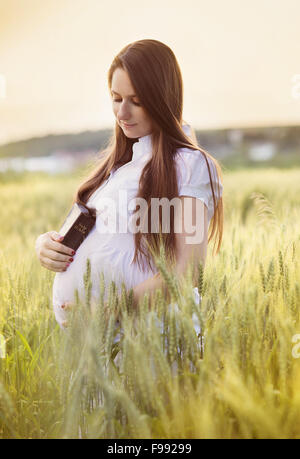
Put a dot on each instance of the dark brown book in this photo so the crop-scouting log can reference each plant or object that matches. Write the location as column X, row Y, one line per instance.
column 77, row 226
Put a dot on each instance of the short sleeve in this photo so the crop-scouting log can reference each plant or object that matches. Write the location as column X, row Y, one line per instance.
column 193, row 178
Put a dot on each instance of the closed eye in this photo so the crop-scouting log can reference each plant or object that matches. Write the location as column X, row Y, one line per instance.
column 119, row 100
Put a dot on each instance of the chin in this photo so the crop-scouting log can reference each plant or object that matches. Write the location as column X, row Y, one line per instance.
column 130, row 135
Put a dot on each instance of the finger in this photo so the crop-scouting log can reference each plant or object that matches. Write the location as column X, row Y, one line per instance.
column 54, row 241
column 67, row 305
column 57, row 266
column 58, row 247
column 56, row 236
column 57, row 256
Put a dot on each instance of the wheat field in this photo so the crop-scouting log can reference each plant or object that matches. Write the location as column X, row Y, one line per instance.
column 152, row 376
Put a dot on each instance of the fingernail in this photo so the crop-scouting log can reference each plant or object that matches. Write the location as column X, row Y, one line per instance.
column 71, row 259
column 73, row 253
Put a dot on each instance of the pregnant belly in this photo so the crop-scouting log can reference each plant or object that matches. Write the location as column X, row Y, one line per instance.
column 109, row 255
column 103, row 261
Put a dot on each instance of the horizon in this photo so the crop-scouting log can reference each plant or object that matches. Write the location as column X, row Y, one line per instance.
column 27, row 139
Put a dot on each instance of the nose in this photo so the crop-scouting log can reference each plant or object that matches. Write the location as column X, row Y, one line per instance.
column 124, row 113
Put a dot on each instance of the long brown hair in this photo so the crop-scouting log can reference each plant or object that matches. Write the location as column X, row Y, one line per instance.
column 156, row 78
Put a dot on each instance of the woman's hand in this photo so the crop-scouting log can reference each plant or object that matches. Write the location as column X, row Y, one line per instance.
column 52, row 254
column 67, row 306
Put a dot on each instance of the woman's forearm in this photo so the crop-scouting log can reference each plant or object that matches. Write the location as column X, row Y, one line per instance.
column 157, row 282
column 148, row 286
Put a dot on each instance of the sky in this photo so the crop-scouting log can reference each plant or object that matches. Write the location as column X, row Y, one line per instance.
column 237, row 58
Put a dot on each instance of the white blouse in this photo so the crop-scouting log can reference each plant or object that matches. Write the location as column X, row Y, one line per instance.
column 112, row 251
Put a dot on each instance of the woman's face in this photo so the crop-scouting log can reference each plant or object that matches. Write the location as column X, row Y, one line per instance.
column 127, row 108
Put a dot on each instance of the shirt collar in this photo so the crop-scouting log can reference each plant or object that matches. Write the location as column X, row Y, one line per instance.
column 142, row 149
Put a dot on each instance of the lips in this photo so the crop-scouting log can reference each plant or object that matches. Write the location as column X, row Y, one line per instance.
column 128, row 125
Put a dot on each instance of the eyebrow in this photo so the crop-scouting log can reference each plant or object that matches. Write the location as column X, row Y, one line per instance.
column 132, row 95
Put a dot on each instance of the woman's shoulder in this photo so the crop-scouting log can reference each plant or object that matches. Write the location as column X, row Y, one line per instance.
column 196, row 174
column 196, row 167
column 190, row 157
column 190, row 154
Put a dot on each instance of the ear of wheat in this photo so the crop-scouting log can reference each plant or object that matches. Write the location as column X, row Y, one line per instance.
column 264, row 209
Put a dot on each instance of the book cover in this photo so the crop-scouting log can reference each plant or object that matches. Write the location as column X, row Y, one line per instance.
column 76, row 226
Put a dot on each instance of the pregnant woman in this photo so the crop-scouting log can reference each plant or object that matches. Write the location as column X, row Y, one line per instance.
column 152, row 157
